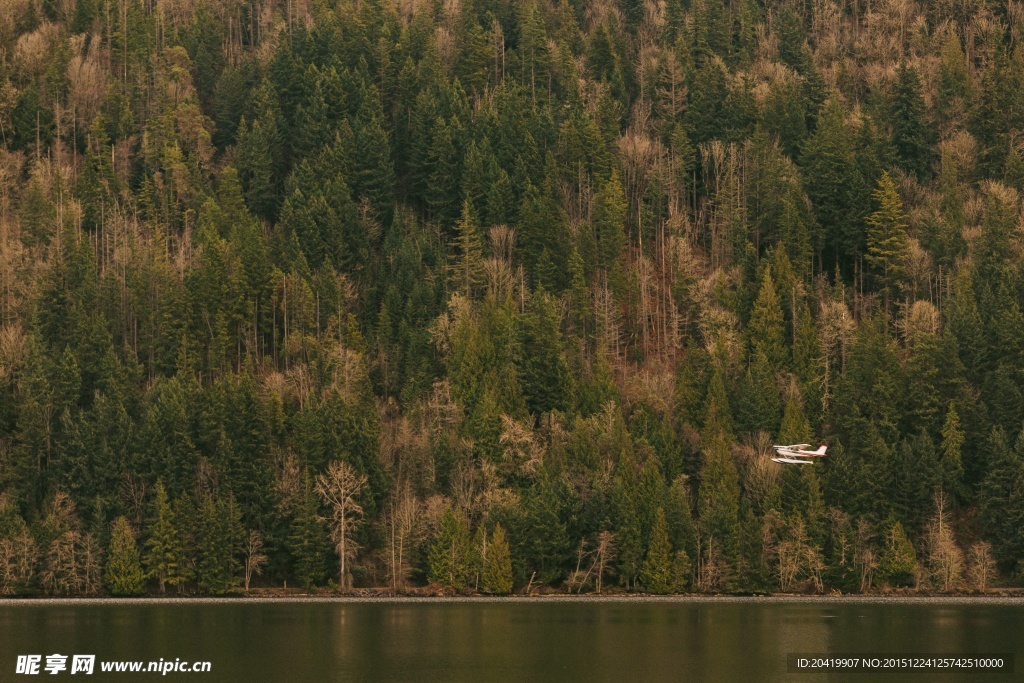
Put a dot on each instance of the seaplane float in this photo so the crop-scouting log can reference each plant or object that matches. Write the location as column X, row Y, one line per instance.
column 797, row 454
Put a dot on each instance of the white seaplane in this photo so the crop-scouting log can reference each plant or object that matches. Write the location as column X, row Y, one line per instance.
column 797, row 454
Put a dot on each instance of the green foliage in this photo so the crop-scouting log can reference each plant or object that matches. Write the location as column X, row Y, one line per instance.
column 951, row 453
column 897, row 565
column 544, row 541
column 794, row 428
column 467, row 272
column 801, row 496
column 910, row 131
column 718, row 497
column 1002, row 499
column 954, row 86
column 679, row 517
column 767, row 334
column 123, row 573
column 164, row 547
column 309, row 542
column 544, row 368
column 318, row 210
column 219, row 537
column 497, row 574
column 609, row 217
column 717, row 414
column 835, row 185
column 917, row 478
column 373, row 169
column 442, row 160
column 259, row 152
column 867, row 398
column 637, row 492
column 887, row 235
column 757, row 406
column 543, row 238
column 450, row 551
column 658, row 573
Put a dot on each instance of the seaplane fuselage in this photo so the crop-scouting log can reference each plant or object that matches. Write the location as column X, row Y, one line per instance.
column 798, row 454
column 800, row 451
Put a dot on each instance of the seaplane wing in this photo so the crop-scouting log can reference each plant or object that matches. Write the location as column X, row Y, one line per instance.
column 794, row 447
column 800, row 452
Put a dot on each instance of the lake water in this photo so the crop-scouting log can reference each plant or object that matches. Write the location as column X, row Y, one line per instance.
column 426, row 641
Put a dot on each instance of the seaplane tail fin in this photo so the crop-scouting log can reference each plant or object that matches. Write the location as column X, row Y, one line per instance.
column 821, row 450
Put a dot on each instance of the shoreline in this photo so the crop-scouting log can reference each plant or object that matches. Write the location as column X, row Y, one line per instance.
column 1006, row 600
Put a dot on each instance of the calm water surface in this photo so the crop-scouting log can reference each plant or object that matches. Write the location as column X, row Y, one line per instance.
column 504, row 641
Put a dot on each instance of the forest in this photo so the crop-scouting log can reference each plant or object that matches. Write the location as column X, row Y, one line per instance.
column 510, row 295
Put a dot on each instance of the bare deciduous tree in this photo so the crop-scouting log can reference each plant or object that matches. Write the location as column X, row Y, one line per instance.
column 60, row 569
column 288, row 482
column 839, row 524
column 400, row 520
column 254, row 556
column 791, row 554
column 981, row 565
column 133, row 495
column 603, row 556
column 18, row 556
column 90, row 565
column 579, row 578
column 710, row 565
column 815, row 565
column 945, row 559
column 339, row 488
column 787, row 563
column 864, row 554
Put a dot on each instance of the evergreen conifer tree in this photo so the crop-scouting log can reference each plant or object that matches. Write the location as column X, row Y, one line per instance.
column 442, row 183
column 449, row 557
column 310, row 542
column 123, row 574
column 951, row 453
column 609, row 216
column 910, row 130
column 497, row 574
column 679, row 516
column 467, row 271
column 657, row 575
column 1001, row 498
column 717, row 414
column 794, row 428
column 718, row 498
column 887, row 236
column 545, row 371
column 898, row 563
column 757, row 406
column 219, row 542
column 766, row 328
column 374, row 169
column 836, row 185
column 164, row 547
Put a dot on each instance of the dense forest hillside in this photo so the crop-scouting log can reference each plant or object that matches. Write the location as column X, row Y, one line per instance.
column 505, row 294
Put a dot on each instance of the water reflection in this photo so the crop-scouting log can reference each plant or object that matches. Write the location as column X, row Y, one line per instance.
column 505, row 641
